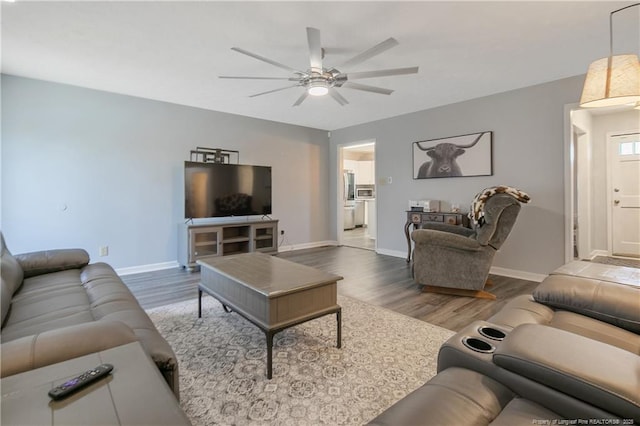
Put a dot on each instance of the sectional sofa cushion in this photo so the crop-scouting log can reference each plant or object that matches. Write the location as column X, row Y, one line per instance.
column 12, row 276
column 606, row 301
column 44, row 262
column 457, row 396
column 602, row 375
column 525, row 310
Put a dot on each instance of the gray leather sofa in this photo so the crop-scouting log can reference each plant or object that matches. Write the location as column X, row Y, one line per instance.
column 461, row 397
column 568, row 354
column 56, row 306
column 597, row 301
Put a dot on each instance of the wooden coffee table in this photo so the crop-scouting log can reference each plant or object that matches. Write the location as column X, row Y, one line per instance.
column 272, row 293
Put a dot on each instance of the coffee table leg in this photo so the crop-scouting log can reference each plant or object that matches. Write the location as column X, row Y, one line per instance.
column 339, row 319
column 269, row 354
column 199, row 303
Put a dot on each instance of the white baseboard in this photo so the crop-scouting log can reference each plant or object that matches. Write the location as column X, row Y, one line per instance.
column 514, row 273
column 596, row 253
column 174, row 264
column 394, row 253
column 147, row 268
column 303, row 246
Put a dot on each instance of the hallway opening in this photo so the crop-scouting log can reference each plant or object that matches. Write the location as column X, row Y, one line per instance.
column 359, row 208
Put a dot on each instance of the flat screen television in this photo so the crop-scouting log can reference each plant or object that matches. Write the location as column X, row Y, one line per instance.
column 220, row 190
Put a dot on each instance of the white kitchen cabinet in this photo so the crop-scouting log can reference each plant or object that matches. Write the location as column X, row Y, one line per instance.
column 370, row 209
column 351, row 165
column 365, row 174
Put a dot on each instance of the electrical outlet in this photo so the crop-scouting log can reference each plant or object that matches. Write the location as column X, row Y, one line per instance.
column 104, row 250
column 282, row 232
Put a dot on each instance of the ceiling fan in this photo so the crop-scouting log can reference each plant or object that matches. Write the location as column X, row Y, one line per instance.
column 319, row 81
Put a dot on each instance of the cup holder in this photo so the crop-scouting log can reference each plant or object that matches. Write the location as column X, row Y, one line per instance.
column 478, row 345
column 492, row 333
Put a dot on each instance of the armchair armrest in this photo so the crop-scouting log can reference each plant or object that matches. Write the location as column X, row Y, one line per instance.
column 44, row 262
column 614, row 303
column 50, row 347
column 600, row 374
column 445, row 227
column 444, row 239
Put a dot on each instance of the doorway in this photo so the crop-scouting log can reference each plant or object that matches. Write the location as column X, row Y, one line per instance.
column 599, row 168
column 581, row 176
column 624, row 190
column 358, row 195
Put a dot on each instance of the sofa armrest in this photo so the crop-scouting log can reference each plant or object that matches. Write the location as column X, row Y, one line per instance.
column 53, row 346
column 44, row 262
column 444, row 239
column 600, row 374
column 445, row 227
column 614, row 303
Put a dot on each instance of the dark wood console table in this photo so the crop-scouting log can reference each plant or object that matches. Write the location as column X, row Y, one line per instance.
column 415, row 219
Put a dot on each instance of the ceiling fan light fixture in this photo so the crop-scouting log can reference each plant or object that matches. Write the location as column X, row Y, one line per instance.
column 320, row 81
column 318, row 88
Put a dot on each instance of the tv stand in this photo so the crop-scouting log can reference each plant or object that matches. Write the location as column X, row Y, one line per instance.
column 203, row 241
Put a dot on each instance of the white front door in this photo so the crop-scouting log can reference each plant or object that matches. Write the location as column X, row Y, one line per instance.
column 625, row 194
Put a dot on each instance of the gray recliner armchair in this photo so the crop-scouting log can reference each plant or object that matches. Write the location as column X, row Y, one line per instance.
column 455, row 260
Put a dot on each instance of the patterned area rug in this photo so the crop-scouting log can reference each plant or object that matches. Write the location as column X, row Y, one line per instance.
column 629, row 263
column 384, row 356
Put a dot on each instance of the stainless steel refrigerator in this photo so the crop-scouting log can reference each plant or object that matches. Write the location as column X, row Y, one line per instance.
column 349, row 196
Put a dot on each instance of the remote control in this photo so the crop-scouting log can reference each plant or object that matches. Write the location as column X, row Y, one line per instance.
column 72, row 385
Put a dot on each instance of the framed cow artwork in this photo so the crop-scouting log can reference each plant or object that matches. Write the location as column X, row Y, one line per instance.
column 456, row 156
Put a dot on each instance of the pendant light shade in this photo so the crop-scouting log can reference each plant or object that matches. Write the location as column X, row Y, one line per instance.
column 614, row 80
column 616, row 84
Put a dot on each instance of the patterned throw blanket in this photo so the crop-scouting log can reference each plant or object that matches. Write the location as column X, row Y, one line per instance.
column 476, row 213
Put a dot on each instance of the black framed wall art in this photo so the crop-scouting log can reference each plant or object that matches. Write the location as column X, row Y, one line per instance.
column 456, row 156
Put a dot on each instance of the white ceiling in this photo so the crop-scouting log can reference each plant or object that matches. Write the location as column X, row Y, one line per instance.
column 174, row 51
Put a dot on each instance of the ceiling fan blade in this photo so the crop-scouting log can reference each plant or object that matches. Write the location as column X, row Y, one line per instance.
column 274, row 90
column 315, row 49
column 263, row 59
column 301, row 98
column 381, row 73
column 370, row 53
column 257, row 78
column 329, row 50
column 366, row 88
column 338, row 97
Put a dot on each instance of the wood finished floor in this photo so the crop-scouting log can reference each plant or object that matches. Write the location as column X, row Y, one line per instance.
column 372, row 278
column 357, row 238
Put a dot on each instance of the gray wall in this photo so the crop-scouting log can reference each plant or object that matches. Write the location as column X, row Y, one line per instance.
column 528, row 141
column 84, row 168
column 115, row 162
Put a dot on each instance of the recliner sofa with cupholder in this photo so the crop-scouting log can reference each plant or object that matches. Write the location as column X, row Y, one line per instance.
column 567, row 354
